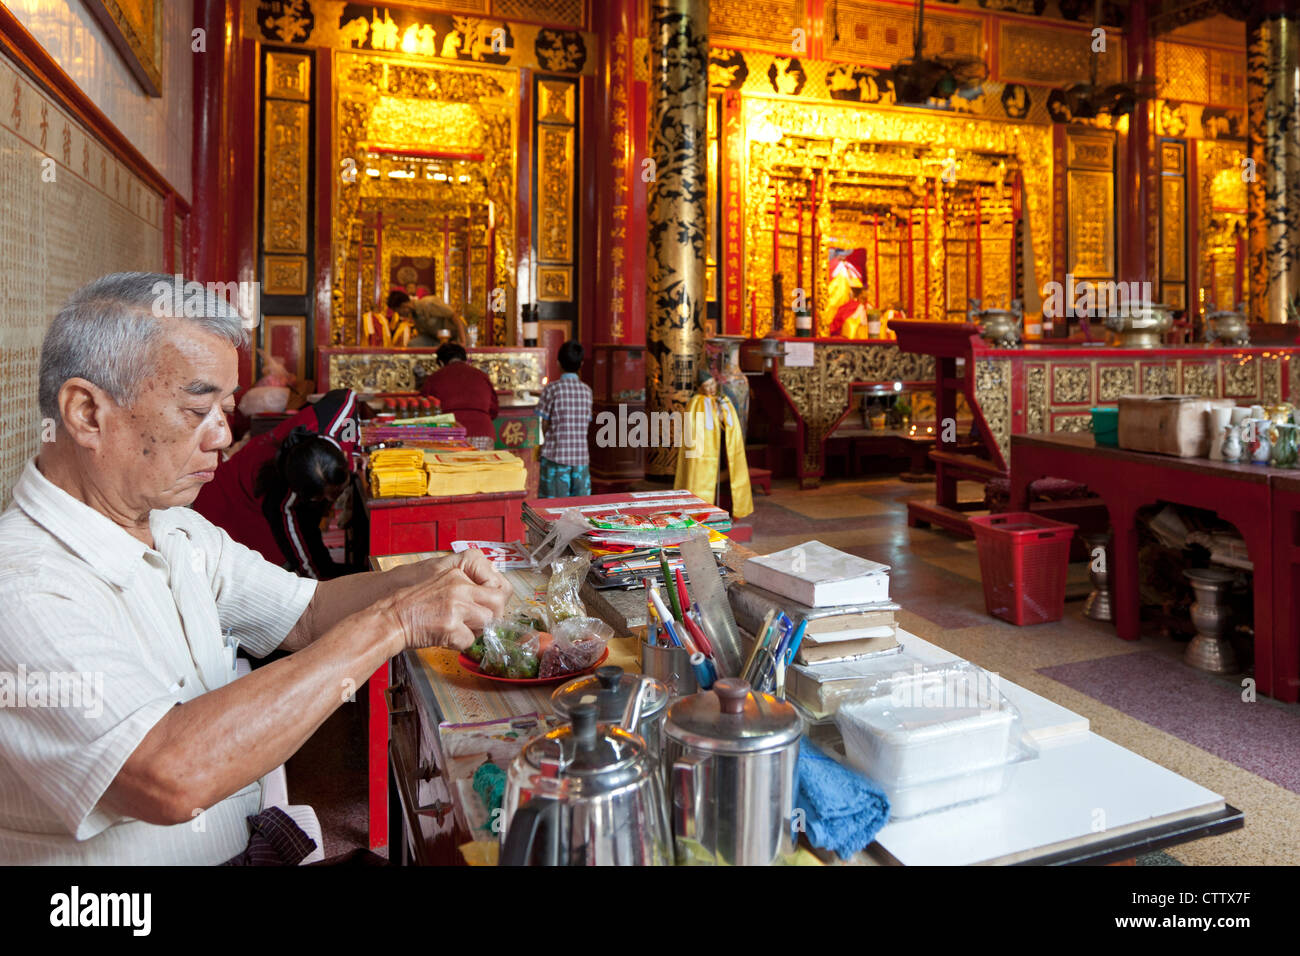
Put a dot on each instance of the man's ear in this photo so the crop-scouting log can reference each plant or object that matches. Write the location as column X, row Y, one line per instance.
column 82, row 405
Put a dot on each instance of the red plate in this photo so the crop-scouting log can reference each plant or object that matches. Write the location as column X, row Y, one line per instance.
column 473, row 668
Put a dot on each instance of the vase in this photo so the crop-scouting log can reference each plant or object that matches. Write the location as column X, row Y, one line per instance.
column 1210, row 650
column 1219, row 420
column 731, row 380
column 1097, row 605
column 1284, row 442
column 1230, row 448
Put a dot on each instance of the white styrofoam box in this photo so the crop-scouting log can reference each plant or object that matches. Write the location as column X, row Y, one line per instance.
column 905, row 802
column 903, row 745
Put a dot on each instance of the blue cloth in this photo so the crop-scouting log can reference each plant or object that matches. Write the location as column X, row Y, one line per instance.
column 842, row 810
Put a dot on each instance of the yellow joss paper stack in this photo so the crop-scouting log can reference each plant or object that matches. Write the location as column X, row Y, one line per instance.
column 474, row 472
column 397, row 473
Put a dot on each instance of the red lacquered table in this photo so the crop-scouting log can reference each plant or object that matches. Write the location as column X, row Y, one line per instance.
column 1242, row 494
column 403, row 526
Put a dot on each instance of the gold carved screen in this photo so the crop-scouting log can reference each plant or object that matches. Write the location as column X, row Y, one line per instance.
column 425, row 187
column 928, row 197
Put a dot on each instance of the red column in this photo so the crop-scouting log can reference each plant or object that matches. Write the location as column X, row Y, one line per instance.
column 1137, row 191
column 206, row 162
column 619, row 138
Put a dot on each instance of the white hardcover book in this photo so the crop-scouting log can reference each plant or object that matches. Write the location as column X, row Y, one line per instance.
column 852, row 634
column 818, row 575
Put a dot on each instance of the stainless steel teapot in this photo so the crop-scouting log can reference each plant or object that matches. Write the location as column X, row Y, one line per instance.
column 585, row 794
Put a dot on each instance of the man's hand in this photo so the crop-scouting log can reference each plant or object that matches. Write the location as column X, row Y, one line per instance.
column 447, row 607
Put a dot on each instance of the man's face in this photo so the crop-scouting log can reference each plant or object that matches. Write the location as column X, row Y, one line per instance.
column 165, row 447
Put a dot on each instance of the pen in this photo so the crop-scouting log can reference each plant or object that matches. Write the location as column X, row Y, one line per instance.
column 785, row 628
column 651, row 630
column 697, row 635
column 703, row 673
column 682, row 595
column 796, row 641
column 668, row 586
column 677, row 637
column 758, row 644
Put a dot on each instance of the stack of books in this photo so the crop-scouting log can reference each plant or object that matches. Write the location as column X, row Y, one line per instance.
column 841, row 600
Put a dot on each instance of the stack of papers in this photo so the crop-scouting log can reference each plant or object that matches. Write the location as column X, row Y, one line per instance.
column 474, row 472
column 397, row 473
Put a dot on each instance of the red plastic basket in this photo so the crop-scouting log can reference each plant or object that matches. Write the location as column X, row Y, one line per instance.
column 1023, row 562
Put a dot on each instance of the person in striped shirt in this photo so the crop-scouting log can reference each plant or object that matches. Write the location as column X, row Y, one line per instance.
column 131, row 603
column 565, row 411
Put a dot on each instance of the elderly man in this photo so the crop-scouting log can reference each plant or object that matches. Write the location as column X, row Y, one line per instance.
column 104, row 572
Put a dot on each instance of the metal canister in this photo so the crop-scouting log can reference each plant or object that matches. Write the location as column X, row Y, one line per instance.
column 612, row 690
column 733, row 753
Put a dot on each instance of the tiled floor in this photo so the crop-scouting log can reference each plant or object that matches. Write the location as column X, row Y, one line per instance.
column 1137, row 694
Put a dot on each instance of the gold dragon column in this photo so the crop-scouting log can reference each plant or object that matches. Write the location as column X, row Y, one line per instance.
column 1272, row 171
column 676, row 211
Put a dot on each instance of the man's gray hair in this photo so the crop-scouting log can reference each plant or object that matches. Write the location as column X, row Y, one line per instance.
column 107, row 333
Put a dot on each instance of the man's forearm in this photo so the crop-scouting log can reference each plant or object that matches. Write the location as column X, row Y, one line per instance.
column 214, row 745
column 336, row 599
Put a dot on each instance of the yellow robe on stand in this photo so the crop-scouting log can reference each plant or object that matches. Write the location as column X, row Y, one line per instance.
column 710, row 421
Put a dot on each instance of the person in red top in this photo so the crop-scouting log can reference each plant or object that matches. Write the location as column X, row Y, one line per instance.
column 272, row 494
column 464, row 391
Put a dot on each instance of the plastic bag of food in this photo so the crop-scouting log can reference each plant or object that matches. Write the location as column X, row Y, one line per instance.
column 578, row 644
column 562, row 600
column 503, row 657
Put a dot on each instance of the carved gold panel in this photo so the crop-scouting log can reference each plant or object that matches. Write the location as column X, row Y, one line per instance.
column 1072, row 423
column 1071, row 384
column 288, row 76
column 567, row 12
column 1184, row 71
column 1092, row 223
column 993, row 391
column 1090, row 152
column 555, row 194
column 284, row 275
column 556, row 102
column 1173, row 228
column 1159, row 380
column 1228, row 78
column 758, row 24
column 1035, row 398
column 1271, row 376
column 1241, row 379
column 1039, row 53
column 429, row 31
column 879, row 33
column 1114, row 381
column 284, row 218
column 395, row 371
column 820, row 392
column 555, row 283
column 1200, row 379
column 1171, row 157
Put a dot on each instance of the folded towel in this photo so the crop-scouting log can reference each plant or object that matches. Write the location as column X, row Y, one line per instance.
column 842, row 810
